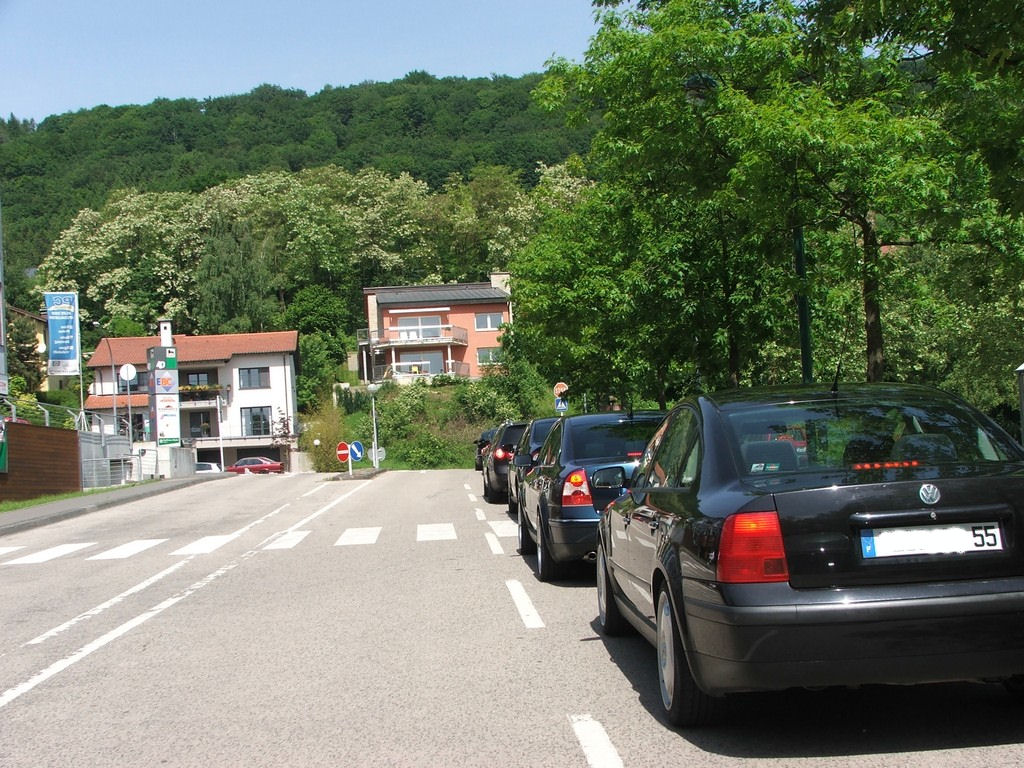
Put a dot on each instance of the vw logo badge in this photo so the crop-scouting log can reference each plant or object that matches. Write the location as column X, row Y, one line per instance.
column 929, row 494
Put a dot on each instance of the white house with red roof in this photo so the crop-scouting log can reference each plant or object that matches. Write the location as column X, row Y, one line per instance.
column 236, row 391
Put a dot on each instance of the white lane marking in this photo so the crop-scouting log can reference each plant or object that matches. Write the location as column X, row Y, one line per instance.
column 480, row 514
column 494, row 544
column 353, row 536
column 205, row 545
column 49, row 554
column 524, row 605
column 597, row 747
column 57, row 667
column 504, row 528
column 435, row 532
column 127, row 550
column 466, row 486
column 472, row 498
column 8, row 550
column 109, row 603
column 317, row 489
column 287, row 540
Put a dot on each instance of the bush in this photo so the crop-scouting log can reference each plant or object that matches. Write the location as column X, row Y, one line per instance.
column 428, row 451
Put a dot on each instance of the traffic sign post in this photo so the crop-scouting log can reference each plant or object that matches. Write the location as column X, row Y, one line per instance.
column 345, row 455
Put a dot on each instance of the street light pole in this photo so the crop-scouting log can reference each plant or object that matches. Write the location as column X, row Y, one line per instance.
column 113, row 380
column 372, row 389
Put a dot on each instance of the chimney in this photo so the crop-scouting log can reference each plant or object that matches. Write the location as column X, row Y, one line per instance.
column 166, row 339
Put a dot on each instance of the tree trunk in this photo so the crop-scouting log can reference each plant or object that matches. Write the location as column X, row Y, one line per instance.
column 872, row 310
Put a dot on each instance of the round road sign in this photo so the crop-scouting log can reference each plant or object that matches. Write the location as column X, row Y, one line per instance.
column 343, row 452
column 561, row 388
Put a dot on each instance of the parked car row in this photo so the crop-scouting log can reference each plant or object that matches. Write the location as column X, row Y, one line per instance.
column 773, row 538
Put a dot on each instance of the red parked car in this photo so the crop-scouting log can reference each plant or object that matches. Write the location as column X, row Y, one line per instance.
column 260, row 465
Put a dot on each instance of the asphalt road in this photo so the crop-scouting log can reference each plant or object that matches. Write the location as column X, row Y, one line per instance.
column 298, row 621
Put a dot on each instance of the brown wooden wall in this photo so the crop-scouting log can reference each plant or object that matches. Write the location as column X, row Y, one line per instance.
column 40, row 461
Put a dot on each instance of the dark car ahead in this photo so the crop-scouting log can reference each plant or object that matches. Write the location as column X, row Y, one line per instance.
column 798, row 537
column 482, row 443
column 529, row 444
column 498, row 457
column 559, row 502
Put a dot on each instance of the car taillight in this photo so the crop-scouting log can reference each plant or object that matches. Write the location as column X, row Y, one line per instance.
column 501, row 454
column 576, row 490
column 904, row 464
column 751, row 550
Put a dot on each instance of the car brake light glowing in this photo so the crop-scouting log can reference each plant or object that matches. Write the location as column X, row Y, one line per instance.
column 886, row 464
column 576, row 490
column 501, row 454
column 751, row 549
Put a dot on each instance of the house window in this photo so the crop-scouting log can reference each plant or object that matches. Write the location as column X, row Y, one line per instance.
column 489, row 321
column 426, row 327
column 199, row 424
column 253, row 378
column 488, row 355
column 197, row 379
column 256, row 421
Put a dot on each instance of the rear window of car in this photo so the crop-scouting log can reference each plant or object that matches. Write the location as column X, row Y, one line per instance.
column 512, row 434
column 626, row 438
column 863, row 435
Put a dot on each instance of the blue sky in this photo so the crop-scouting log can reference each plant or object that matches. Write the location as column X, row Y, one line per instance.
column 64, row 55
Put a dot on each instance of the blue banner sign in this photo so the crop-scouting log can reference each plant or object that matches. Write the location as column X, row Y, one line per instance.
column 65, row 357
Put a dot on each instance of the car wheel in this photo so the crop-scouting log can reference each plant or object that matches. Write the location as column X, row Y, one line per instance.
column 611, row 619
column 685, row 704
column 488, row 493
column 547, row 568
column 527, row 546
column 513, row 505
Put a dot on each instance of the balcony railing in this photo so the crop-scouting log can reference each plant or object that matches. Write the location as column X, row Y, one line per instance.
column 420, row 336
column 410, row 371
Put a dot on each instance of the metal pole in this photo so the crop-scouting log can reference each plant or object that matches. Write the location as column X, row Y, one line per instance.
column 113, row 379
column 373, row 410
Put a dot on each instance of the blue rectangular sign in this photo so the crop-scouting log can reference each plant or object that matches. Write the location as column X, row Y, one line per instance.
column 64, row 343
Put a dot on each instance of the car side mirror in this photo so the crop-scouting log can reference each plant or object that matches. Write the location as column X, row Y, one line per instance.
column 522, row 460
column 610, row 477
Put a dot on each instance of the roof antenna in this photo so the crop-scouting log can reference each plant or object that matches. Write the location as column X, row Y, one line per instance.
column 835, row 381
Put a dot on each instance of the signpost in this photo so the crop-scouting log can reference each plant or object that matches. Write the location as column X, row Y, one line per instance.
column 344, row 456
column 561, row 405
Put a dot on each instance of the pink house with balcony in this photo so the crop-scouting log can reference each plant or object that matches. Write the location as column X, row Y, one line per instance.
column 417, row 331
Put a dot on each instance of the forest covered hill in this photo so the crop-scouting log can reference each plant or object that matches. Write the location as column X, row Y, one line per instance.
column 425, row 126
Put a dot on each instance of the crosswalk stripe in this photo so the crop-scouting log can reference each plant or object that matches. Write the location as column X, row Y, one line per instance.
column 127, row 550
column 49, row 554
column 287, row 540
column 205, row 545
column 354, row 536
column 435, row 532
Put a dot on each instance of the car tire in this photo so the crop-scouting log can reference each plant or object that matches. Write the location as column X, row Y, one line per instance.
column 513, row 505
column 547, row 568
column 488, row 493
column 685, row 704
column 608, row 614
column 527, row 546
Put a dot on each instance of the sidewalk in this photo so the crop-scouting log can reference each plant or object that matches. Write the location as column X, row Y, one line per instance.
column 53, row 511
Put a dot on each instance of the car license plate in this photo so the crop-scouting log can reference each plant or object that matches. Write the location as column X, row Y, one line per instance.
column 931, row 540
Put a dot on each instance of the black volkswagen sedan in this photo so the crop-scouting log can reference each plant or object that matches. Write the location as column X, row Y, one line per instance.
column 559, row 503
column 795, row 537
